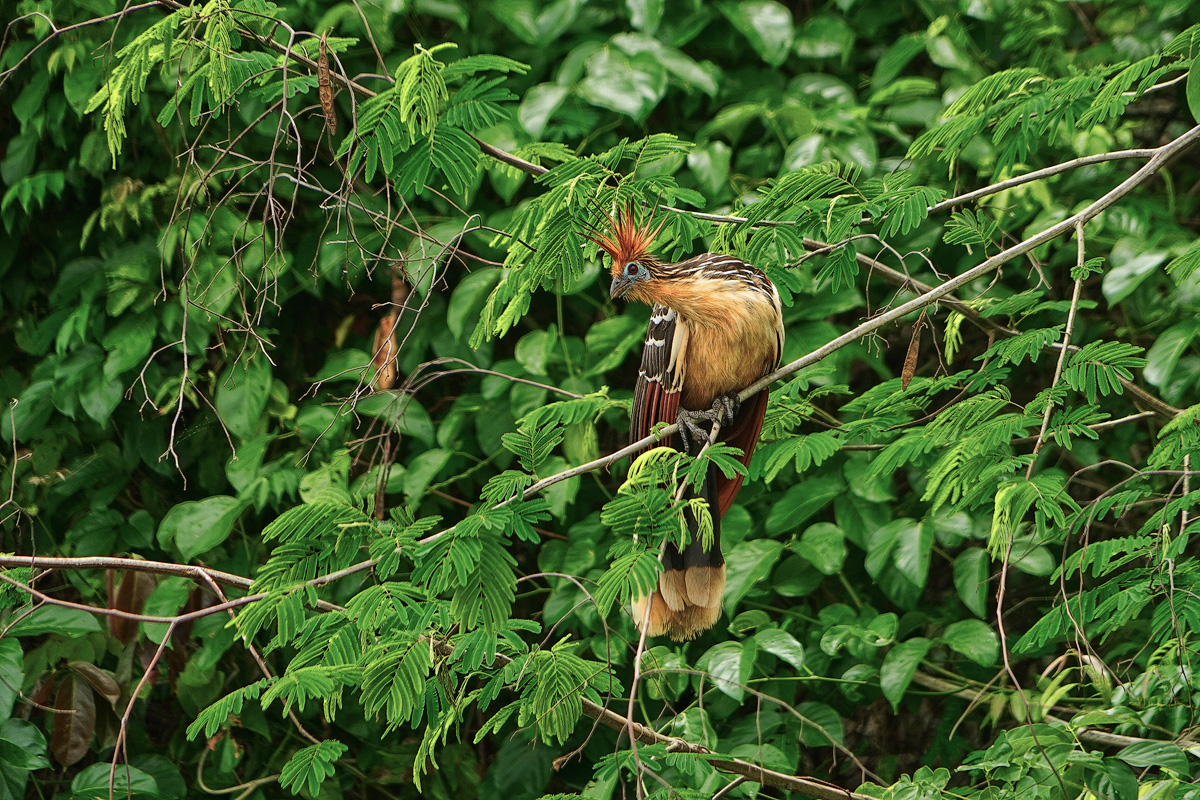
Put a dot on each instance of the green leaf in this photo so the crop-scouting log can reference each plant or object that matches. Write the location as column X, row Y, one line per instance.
column 309, row 766
column 628, row 85
column 913, row 551
column 467, row 301
column 824, row 545
column 781, row 644
column 22, row 748
column 1130, row 264
column 12, row 673
column 1166, row 755
column 72, row 622
column 974, row 639
column 242, row 396
column 165, row 601
column 824, row 36
column 971, row 579
column 92, row 783
column 820, row 725
column 538, row 106
column 747, row 564
column 535, row 22
column 730, row 664
column 899, row 666
column 645, row 15
column 1165, row 352
column 401, row 411
column 801, row 502
column 197, row 526
column 766, row 24
column 1193, row 89
column 883, row 542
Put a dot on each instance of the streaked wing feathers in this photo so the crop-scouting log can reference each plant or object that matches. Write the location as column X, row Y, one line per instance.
column 656, row 396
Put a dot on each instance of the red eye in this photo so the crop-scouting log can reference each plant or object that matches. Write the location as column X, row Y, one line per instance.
column 631, row 268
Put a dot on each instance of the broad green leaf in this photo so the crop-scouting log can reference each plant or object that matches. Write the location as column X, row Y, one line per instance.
column 820, row 725
column 1165, row 352
column 401, row 411
column 1193, row 90
column 1166, row 755
column 781, row 644
column 421, row 472
column 824, row 546
column 22, row 747
column 899, row 666
column 796, row 577
column 1130, row 264
column 710, row 164
column 645, row 15
column 975, row 639
column 746, row 565
column 730, row 664
column 539, row 105
column 166, row 774
column 71, row 622
column 824, row 36
column 914, row 548
column 1116, row 780
column 971, row 579
column 801, row 502
column 628, row 85
column 681, row 66
column 12, row 673
column 465, row 304
column 197, row 526
column 766, row 24
column 165, row 601
column 884, row 541
column 128, row 343
column 242, row 396
column 92, row 783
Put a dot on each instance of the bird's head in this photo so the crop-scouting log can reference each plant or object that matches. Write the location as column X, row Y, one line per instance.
column 627, row 242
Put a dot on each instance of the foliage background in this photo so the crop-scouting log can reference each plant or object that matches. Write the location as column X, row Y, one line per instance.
column 977, row 583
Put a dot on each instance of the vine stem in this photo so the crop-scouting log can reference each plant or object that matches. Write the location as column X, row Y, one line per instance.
column 1062, row 354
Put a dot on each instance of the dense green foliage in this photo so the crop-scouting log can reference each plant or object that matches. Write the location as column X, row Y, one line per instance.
column 270, row 307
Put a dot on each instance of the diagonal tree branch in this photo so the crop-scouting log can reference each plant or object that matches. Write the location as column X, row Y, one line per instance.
column 1157, row 405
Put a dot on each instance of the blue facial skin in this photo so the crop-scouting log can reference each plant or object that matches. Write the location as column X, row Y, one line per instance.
column 630, row 274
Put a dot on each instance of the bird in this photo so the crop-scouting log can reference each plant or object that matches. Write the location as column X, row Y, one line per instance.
column 716, row 327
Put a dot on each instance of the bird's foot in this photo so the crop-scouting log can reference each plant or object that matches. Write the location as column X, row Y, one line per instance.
column 722, row 413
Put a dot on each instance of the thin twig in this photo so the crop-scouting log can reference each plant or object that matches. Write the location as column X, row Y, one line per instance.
column 1062, row 354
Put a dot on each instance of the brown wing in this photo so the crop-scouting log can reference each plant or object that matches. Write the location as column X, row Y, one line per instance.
column 743, row 434
column 656, row 396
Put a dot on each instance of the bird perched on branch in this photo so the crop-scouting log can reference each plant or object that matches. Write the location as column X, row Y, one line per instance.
column 716, row 328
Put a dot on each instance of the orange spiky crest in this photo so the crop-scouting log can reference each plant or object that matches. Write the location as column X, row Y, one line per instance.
column 627, row 239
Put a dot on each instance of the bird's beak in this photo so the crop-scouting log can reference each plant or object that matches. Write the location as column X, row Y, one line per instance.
column 620, row 285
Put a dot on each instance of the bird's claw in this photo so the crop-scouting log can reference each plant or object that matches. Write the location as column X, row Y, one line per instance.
column 723, row 410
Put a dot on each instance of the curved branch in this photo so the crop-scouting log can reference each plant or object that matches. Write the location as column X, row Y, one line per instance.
column 1157, row 406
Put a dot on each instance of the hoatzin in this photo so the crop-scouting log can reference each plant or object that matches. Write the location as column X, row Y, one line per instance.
column 716, row 328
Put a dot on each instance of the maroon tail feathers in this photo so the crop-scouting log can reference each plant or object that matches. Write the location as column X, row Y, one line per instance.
column 692, row 586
